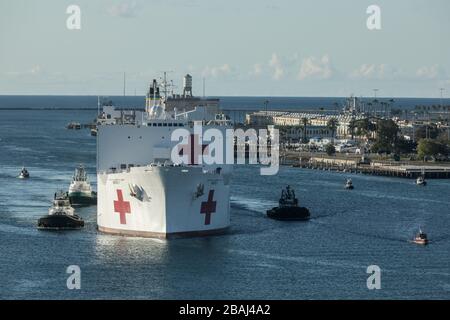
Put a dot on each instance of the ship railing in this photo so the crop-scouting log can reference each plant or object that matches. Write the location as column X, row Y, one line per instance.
column 127, row 168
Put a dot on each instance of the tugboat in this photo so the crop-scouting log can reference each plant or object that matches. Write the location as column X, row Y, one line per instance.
column 24, row 174
column 61, row 215
column 80, row 191
column 349, row 184
column 288, row 208
column 421, row 238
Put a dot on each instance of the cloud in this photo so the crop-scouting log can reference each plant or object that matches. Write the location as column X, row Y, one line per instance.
column 33, row 71
column 377, row 71
column 124, row 9
column 217, row 71
column 367, row 71
column 430, row 72
column 315, row 68
column 277, row 67
column 256, row 70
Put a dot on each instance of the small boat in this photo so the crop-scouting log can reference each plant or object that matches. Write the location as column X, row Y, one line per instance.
column 61, row 215
column 421, row 238
column 288, row 208
column 74, row 126
column 421, row 181
column 24, row 174
column 349, row 184
column 80, row 191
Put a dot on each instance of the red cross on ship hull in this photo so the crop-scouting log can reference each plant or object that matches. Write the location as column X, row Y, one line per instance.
column 122, row 207
column 208, row 207
column 193, row 149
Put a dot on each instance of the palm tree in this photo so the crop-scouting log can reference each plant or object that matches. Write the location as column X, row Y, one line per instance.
column 369, row 105
column 391, row 103
column 375, row 103
column 352, row 126
column 305, row 122
column 332, row 124
column 365, row 127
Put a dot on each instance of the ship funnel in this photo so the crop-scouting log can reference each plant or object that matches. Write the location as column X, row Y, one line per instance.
column 153, row 96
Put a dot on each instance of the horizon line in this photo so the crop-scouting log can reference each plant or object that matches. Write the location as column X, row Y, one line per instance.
column 225, row 96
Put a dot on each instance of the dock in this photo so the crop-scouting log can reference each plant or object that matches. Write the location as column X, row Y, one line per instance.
column 408, row 171
column 400, row 169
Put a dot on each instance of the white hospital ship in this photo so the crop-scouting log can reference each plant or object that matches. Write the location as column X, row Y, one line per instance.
column 141, row 191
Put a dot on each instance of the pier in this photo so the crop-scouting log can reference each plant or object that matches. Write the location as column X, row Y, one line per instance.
column 358, row 165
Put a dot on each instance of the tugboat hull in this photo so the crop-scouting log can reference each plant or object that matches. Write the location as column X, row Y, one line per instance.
column 289, row 213
column 420, row 242
column 60, row 222
column 79, row 199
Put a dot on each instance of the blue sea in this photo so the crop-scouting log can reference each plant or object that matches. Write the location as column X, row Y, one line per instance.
column 259, row 258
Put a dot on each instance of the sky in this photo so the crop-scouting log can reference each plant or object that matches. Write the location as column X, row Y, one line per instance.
column 240, row 47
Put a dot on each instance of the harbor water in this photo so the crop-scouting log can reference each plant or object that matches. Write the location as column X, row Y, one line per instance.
column 324, row 258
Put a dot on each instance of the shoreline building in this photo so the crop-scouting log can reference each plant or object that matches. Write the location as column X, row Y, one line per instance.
column 316, row 124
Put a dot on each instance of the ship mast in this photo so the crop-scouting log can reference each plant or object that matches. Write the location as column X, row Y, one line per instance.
column 155, row 85
column 166, row 85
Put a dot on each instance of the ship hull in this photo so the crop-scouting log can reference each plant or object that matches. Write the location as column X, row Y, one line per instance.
column 162, row 235
column 163, row 202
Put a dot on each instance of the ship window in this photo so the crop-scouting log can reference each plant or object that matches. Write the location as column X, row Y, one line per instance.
column 123, row 166
column 154, row 124
column 129, row 137
column 159, row 124
column 170, row 124
column 164, row 124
